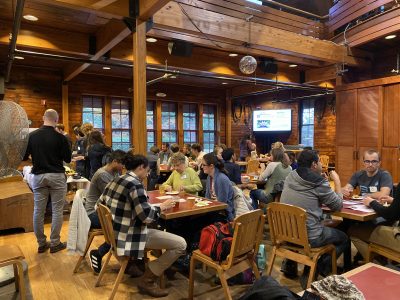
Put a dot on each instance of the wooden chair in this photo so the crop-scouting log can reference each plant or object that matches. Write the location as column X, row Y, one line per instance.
column 252, row 166
column 91, row 235
column 107, row 226
column 12, row 255
column 289, row 238
column 247, row 235
column 381, row 250
column 325, row 162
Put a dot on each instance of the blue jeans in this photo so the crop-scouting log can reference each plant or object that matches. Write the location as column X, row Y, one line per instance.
column 95, row 224
column 342, row 244
column 259, row 195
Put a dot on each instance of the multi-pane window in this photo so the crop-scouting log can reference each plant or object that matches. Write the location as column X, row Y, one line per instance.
column 209, row 127
column 168, row 122
column 307, row 123
column 150, row 124
column 92, row 111
column 190, row 123
column 120, row 124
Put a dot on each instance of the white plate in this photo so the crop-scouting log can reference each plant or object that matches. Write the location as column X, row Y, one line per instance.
column 172, row 193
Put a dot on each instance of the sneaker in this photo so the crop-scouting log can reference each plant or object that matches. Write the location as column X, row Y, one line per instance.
column 42, row 249
column 59, row 247
column 289, row 268
column 95, row 261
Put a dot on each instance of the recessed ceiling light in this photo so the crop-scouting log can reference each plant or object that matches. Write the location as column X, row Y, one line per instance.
column 106, row 68
column 292, row 66
column 233, row 54
column 389, row 37
column 19, row 57
column 151, row 40
column 31, row 18
column 162, row 95
column 224, row 83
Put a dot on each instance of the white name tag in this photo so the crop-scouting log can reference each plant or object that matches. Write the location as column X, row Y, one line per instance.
column 373, row 189
column 183, row 176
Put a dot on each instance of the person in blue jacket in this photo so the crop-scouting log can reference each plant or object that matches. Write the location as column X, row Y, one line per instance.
column 218, row 187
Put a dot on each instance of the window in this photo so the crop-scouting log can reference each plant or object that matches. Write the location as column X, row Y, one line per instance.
column 190, row 123
column 168, row 123
column 209, row 138
column 120, row 124
column 92, row 111
column 307, row 123
column 150, row 124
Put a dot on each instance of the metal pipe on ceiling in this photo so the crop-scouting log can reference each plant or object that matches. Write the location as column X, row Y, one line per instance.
column 13, row 39
column 302, row 97
column 177, row 71
column 295, row 9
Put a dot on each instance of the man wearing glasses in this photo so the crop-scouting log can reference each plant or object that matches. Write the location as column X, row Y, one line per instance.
column 372, row 181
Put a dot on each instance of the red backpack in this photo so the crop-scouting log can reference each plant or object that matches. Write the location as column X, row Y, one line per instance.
column 216, row 240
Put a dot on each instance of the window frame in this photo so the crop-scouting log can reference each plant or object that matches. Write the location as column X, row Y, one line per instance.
column 195, row 110
column 307, row 104
column 208, row 132
column 102, row 98
column 169, row 130
column 154, row 130
column 113, row 129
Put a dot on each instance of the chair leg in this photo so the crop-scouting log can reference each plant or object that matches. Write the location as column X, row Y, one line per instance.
column 191, row 278
column 89, row 242
column 21, row 281
column 204, row 268
column 312, row 274
column 271, row 261
column 103, row 269
column 334, row 262
column 16, row 277
column 224, row 284
column 119, row 277
column 254, row 268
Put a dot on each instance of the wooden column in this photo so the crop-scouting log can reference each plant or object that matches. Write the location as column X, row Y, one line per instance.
column 107, row 121
column 228, row 118
column 64, row 105
column 158, row 123
column 139, row 88
column 201, row 136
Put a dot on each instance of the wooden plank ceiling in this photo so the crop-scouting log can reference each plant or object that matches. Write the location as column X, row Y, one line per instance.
column 216, row 28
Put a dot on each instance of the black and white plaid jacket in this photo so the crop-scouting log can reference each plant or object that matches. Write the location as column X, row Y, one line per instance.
column 131, row 211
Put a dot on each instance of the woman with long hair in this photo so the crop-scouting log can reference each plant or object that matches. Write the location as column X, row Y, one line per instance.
column 274, row 173
column 96, row 149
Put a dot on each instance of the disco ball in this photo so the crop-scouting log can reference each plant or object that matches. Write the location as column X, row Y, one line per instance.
column 248, row 64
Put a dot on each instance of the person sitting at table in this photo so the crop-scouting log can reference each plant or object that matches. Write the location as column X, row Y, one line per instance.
column 277, row 170
column 198, row 154
column 187, row 151
column 305, row 187
column 131, row 213
column 154, row 164
column 218, row 152
column 218, row 186
column 372, row 181
column 233, row 169
column 383, row 234
column 165, row 153
column 99, row 181
column 182, row 178
column 175, row 149
column 293, row 161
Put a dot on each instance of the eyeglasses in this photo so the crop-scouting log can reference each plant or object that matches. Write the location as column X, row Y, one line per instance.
column 204, row 165
column 373, row 162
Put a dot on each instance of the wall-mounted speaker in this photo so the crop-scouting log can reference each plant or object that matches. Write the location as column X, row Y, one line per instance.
column 268, row 66
column 180, row 48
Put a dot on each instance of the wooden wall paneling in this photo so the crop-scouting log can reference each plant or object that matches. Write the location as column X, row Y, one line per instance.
column 345, row 163
column 391, row 119
column 390, row 162
column 180, row 123
column 201, row 141
column 64, row 95
column 228, row 117
column 158, row 122
column 219, row 137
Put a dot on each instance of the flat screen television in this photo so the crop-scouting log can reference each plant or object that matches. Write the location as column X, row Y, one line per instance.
column 272, row 120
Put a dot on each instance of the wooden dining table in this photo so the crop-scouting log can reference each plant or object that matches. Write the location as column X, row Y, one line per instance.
column 185, row 205
column 347, row 213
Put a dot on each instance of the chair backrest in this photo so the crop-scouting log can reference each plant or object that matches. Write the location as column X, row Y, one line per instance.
column 107, row 225
column 287, row 224
column 252, row 166
column 248, row 229
column 324, row 161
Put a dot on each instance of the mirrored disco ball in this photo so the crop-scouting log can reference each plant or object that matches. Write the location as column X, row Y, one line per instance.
column 248, row 64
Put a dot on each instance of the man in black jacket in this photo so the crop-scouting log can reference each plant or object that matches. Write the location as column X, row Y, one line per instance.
column 48, row 149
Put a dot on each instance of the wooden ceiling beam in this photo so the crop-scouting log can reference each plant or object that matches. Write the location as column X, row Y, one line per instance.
column 317, row 75
column 107, row 38
column 221, row 27
column 147, row 8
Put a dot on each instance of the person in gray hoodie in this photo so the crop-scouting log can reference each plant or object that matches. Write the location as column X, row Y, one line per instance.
column 305, row 187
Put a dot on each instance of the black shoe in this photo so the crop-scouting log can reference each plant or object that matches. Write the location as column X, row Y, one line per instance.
column 42, row 249
column 59, row 247
column 289, row 268
column 95, row 261
column 304, row 277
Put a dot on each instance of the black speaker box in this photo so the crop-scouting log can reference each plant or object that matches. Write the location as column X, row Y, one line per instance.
column 180, row 48
column 302, row 76
column 268, row 66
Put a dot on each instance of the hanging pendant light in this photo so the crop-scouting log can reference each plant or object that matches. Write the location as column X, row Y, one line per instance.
column 248, row 64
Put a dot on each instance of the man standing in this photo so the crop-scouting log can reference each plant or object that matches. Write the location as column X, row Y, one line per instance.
column 48, row 150
column 131, row 212
column 305, row 187
column 372, row 181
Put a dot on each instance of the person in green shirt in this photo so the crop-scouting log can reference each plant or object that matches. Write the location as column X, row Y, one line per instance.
column 182, row 178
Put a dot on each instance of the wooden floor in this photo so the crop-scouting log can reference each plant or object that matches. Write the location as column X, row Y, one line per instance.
column 50, row 276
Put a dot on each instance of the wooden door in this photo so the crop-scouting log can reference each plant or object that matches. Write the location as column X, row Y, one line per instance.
column 391, row 132
column 345, row 133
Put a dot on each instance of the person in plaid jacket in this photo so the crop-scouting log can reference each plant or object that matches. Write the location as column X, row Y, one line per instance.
column 131, row 212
